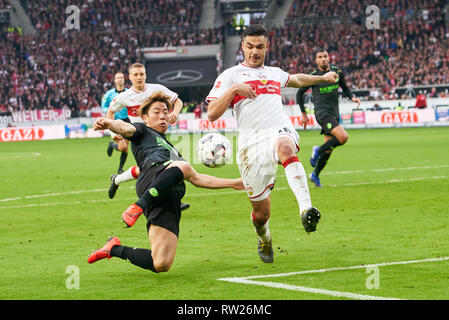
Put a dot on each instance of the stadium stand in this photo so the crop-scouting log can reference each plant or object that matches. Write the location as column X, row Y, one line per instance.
column 411, row 48
column 58, row 68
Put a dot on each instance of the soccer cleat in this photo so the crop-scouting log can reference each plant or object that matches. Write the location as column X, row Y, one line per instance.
column 110, row 148
column 113, row 188
column 310, row 219
column 315, row 179
column 265, row 251
column 130, row 216
column 104, row 252
column 185, row 206
column 315, row 155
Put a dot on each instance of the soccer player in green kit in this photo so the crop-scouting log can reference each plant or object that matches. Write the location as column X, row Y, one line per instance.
column 327, row 114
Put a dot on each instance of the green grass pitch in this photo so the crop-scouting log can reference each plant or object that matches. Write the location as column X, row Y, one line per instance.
column 385, row 200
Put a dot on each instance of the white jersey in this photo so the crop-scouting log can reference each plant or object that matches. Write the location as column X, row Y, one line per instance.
column 258, row 118
column 132, row 99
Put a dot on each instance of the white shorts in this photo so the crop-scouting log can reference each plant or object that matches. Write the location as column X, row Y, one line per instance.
column 259, row 161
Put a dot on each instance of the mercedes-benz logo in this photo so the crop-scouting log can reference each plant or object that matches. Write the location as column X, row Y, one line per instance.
column 180, row 76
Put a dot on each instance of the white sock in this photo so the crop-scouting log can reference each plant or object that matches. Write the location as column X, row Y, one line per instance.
column 262, row 231
column 128, row 175
column 297, row 180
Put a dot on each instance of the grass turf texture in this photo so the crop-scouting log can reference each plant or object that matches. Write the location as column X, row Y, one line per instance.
column 385, row 200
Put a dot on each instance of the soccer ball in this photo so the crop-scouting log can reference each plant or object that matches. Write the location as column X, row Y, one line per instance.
column 214, row 150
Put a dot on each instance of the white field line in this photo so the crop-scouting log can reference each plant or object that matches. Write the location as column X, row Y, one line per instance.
column 221, row 193
column 247, row 280
column 17, row 155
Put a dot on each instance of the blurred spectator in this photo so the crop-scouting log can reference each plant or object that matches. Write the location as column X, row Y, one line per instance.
column 376, row 107
column 198, row 112
column 421, row 102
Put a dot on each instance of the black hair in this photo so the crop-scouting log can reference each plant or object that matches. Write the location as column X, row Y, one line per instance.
column 255, row 30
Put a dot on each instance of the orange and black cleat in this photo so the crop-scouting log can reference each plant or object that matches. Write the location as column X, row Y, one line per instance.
column 104, row 252
column 130, row 216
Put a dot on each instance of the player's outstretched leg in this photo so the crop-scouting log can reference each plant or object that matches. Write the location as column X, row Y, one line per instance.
column 315, row 180
column 310, row 219
column 113, row 248
column 314, row 156
column 116, row 179
column 160, row 187
column 111, row 147
column 105, row 251
column 264, row 241
column 297, row 180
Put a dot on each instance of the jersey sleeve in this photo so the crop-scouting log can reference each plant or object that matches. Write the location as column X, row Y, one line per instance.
column 139, row 130
column 168, row 92
column 221, row 85
column 117, row 104
column 284, row 77
column 105, row 102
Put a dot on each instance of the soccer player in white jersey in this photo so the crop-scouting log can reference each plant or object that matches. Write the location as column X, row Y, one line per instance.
column 132, row 99
column 266, row 135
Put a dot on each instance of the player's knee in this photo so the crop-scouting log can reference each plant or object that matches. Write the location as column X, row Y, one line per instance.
column 162, row 265
column 285, row 151
column 344, row 138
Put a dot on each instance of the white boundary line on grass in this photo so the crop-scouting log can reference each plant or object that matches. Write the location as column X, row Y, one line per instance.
column 339, row 294
column 189, row 195
column 216, row 193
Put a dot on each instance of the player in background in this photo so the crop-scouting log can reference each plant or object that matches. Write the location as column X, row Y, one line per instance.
column 327, row 113
column 156, row 157
column 117, row 143
column 131, row 101
column 266, row 135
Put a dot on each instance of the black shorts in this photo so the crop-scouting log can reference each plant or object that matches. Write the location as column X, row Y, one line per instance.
column 327, row 122
column 166, row 211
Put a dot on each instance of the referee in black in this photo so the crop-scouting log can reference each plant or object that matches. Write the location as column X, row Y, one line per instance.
column 327, row 114
column 160, row 185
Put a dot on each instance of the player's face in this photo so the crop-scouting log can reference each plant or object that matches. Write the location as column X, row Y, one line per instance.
column 255, row 48
column 322, row 60
column 157, row 117
column 138, row 76
column 119, row 80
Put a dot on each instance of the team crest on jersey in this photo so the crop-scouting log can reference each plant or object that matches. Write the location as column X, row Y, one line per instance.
column 262, row 77
column 218, row 85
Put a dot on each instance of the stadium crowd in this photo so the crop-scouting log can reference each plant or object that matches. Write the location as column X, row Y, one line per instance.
column 60, row 68
column 64, row 68
column 403, row 52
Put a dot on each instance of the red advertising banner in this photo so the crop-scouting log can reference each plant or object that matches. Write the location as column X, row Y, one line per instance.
column 39, row 115
column 32, row 133
column 403, row 116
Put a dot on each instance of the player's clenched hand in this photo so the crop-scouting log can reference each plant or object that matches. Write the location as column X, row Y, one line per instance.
column 239, row 184
column 304, row 120
column 100, row 124
column 172, row 118
column 354, row 99
column 245, row 90
column 330, row 77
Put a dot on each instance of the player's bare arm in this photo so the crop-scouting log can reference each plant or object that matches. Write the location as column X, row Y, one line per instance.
column 356, row 100
column 305, row 80
column 206, row 181
column 218, row 107
column 177, row 107
column 117, row 126
column 110, row 114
